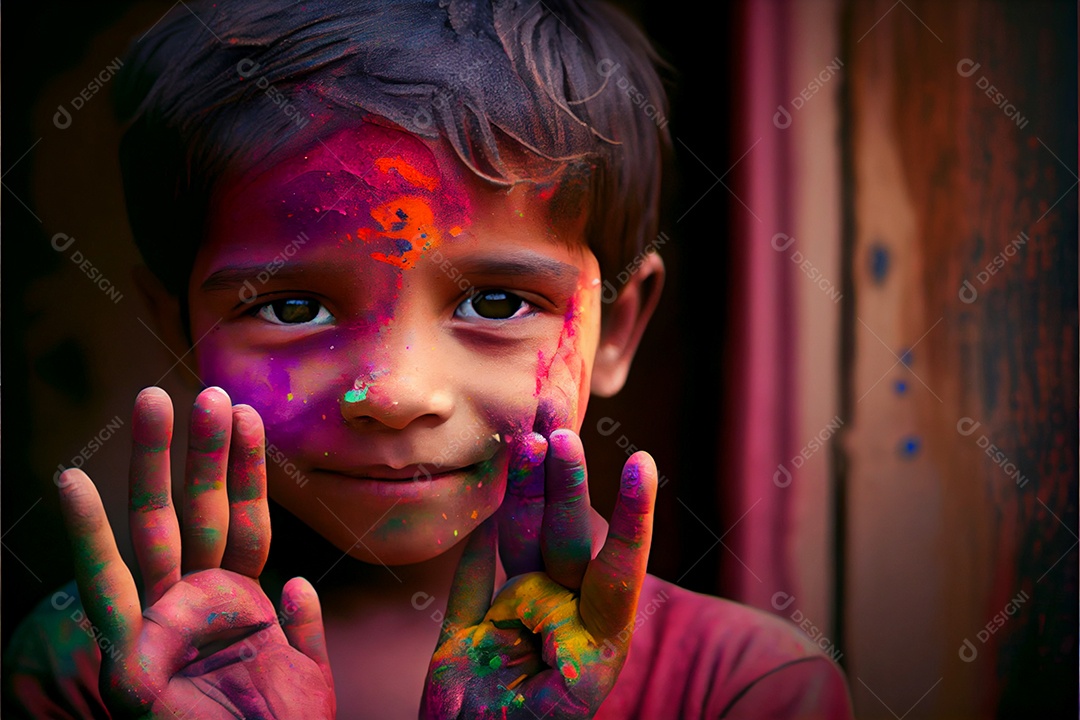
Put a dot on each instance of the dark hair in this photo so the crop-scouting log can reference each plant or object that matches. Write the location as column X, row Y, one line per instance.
column 522, row 90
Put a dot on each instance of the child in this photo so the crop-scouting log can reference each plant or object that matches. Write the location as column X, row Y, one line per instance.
column 382, row 230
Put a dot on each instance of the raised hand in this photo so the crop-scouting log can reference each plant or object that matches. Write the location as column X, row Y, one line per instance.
column 554, row 640
column 206, row 643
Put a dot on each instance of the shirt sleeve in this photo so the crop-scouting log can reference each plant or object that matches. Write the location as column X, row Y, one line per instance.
column 50, row 667
column 810, row 688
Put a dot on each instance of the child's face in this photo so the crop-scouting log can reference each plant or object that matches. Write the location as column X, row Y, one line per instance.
column 409, row 325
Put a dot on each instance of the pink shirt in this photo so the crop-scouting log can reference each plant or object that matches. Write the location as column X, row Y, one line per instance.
column 692, row 656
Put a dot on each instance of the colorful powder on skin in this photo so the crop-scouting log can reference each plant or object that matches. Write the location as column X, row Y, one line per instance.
column 410, row 174
column 543, row 371
column 215, row 442
column 355, row 396
column 200, row 485
column 208, row 536
column 410, row 221
column 145, row 501
column 486, row 469
column 395, row 523
column 101, row 591
column 250, row 472
column 479, row 660
column 358, row 393
column 407, row 219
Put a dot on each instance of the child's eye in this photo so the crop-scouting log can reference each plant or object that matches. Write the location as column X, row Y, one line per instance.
column 295, row 311
column 493, row 305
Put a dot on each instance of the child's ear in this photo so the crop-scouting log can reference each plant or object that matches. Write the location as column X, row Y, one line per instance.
column 167, row 321
column 623, row 325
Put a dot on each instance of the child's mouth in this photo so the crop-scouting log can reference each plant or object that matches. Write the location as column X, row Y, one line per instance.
column 418, row 472
column 410, row 482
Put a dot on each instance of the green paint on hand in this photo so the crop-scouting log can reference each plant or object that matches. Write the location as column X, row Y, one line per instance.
column 214, row 442
column 145, row 501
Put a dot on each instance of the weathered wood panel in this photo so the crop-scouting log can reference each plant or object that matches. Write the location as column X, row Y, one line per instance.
column 962, row 600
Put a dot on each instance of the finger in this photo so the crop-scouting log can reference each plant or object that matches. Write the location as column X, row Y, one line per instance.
column 474, row 581
column 532, row 601
column 522, row 511
column 609, row 592
column 249, row 516
column 565, row 538
column 106, row 587
column 206, row 506
column 302, row 621
column 155, row 533
column 537, row 603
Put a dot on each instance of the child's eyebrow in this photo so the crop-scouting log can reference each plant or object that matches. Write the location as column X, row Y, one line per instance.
column 231, row 277
column 517, row 265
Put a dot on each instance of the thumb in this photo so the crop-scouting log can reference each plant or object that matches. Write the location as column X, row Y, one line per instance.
column 302, row 621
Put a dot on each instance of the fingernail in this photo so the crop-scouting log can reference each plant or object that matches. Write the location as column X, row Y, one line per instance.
column 211, row 392
column 245, row 419
column 560, row 440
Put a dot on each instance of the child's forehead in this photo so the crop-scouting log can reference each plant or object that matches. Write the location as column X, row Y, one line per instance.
column 368, row 186
column 368, row 151
column 368, row 162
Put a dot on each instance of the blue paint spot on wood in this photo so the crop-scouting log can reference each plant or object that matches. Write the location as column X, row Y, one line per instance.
column 879, row 262
column 909, row 447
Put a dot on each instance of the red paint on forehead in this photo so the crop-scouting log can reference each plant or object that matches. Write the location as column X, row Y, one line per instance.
column 360, row 163
column 378, row 185
column 407, row 172
column 410, row 222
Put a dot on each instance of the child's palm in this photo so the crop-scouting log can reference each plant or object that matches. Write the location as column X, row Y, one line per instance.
column 552, row 643
column 208, row 643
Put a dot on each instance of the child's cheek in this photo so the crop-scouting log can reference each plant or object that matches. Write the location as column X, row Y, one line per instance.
column 563, row 373
column 263, row 382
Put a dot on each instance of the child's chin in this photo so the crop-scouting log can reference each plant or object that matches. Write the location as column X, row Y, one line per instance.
column 403, row 551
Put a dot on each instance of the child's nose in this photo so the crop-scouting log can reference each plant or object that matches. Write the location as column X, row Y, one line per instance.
column 396, row 396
